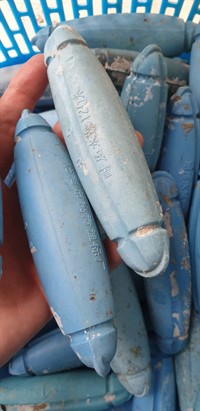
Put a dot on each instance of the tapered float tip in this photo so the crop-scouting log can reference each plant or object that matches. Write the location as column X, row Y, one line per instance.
column 96, row 347
column 137, row 384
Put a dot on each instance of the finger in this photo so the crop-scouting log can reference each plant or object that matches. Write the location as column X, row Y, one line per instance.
column 113, row 257
column 23, row 92
column 57, row 130
column 21, row 322
column 140, row 138
column 23, row 306
column 25, row 89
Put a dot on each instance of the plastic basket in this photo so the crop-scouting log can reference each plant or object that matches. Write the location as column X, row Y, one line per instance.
column 21, row 19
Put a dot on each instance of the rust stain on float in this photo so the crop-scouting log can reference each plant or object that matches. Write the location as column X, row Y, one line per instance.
column 185, row 264
column 187, row 127
column 176, row 98
column 167, row 221
column 136, row 350
column 40, row 407
column 167, row 200
column 92, row 297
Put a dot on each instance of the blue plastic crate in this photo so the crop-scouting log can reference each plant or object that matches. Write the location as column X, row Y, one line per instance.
column 21, row 19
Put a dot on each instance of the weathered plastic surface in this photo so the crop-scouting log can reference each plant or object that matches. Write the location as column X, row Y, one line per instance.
column 132, row 358
column 77, row 390
column 64, row 241
column 181, row 144
column 106, row 153
column 187, row 366
column 144, row 96
column 163, row 390
column 194, row 76
column 1, row 226
column 132, row 31
column 47, row 354
column 117, row 60
column 169, row 295
column 194, row 240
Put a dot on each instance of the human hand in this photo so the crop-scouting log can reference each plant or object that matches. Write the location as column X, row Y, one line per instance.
column 23, row 306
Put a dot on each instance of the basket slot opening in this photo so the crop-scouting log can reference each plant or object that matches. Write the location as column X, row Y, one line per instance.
column 141, row 9
column 21, row 43
column 78, row 5
column 55, row 18
column 5, row 39
column 52, row 4
column 12, row 53
column 170, row 11
column 195, row 12
column 110, row 6
column 171, row 7
column 83, row 13
column 137, row 4
column 27, row 22
column 48, row 11
column 21, row 6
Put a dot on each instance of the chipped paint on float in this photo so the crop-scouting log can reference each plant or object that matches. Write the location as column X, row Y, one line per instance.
column 58, row 320
column 154, row 72
column 176, row 316
column 174, row 285
column 149, row 95
column 136, row 101
column 183, row 337
column 176, row 332
column 128, row 88
column 143, row 231
column 37, row 407
column 17, row 139
column 60, row 70
column 33, row 249
column 109, row 397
